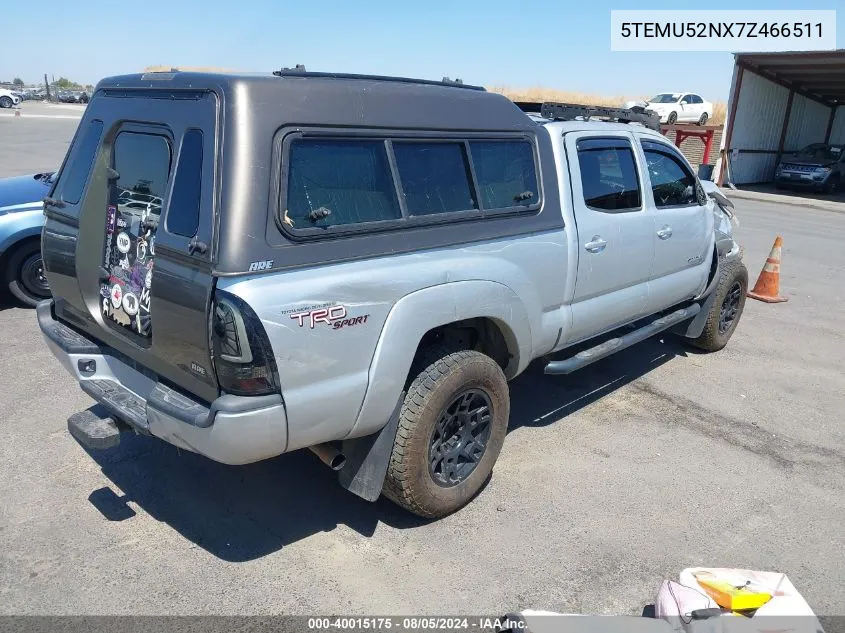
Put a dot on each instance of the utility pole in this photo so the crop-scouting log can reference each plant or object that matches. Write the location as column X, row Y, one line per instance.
column 47, row 86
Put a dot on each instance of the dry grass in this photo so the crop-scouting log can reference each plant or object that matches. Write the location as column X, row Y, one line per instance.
column 547, row 94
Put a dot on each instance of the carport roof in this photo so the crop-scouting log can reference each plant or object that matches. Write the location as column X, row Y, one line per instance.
column 818, row 75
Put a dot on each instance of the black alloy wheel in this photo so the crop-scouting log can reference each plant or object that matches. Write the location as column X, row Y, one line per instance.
column 730, row 307
column 460, row 438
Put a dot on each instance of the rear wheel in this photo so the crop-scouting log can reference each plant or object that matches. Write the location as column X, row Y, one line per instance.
column 25, row 276
column 726, row 309
column 451, row 429
column 702, row 120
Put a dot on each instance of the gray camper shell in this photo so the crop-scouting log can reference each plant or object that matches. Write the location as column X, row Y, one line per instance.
column 259, row 115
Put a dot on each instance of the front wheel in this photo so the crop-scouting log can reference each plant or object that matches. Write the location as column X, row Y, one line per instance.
column 25, row 276
column 673, row 116
column 726, row 309
column 451, row 429
column 702, row 120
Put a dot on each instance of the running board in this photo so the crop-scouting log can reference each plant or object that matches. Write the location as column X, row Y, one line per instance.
column 582, row 359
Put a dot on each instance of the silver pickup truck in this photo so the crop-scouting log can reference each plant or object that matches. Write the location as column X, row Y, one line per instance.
column 245, row 266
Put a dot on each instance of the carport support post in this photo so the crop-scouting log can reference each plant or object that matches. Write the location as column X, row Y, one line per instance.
column 785, row 126
column 733, row 100
column 830, row 123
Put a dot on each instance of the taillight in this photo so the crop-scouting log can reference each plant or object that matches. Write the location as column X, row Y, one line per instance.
column 243, row 357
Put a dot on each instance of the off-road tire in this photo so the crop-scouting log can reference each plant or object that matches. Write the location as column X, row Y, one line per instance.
column 672, row 118
column 702, row 120
column 711, row 339
column 409, row 482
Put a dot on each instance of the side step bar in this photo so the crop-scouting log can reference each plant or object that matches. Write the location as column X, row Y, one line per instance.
column 582, row 359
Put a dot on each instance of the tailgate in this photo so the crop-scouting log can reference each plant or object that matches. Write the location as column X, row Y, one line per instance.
column 127, row 242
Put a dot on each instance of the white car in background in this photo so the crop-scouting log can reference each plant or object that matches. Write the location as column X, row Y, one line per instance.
column 677, row 107
column 8, row 99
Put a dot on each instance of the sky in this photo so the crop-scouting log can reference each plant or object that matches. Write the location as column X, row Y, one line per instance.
column 562, row 45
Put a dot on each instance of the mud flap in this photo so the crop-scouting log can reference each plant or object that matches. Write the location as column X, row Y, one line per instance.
column 696, row 326
column 367, row 458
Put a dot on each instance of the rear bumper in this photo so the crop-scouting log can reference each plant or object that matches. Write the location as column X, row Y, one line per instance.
column 231, row 430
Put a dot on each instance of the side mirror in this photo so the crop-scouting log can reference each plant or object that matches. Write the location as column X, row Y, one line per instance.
column 705, row 172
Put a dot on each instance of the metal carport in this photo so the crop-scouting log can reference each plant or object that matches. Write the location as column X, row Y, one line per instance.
column 780, row 102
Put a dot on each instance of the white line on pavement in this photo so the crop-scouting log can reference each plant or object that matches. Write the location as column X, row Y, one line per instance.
column 41, row 116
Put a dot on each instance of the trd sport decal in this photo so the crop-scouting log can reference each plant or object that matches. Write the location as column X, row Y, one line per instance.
column 335, row 316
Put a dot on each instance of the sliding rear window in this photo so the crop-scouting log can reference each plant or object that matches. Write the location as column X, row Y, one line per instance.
column 506, row 173
column 356, row 183
column 335, row 182
column 435, row 177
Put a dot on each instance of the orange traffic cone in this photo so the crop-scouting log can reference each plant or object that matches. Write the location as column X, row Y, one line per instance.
column 767, row 287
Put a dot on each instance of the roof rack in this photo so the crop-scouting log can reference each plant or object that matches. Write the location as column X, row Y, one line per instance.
column 300, row 71
column 573, row 111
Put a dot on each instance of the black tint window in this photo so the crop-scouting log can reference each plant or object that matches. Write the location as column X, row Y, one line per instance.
column 505, row 173
column 183, row 211
column 608, row 174
column 143, row 162
column 435, row 177
column 671, row 182
column 77, row 171
column 336, row 182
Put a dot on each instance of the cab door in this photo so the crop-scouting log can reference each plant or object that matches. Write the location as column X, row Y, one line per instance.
column 682, row 225
column 615, row 232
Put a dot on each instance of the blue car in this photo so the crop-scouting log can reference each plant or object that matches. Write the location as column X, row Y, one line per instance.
column 21, row 219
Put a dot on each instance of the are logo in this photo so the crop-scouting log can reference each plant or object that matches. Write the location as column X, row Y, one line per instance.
column 267, row 264
column 197, row 368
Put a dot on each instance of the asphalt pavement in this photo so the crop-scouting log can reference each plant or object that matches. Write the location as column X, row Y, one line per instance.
column 611, row 479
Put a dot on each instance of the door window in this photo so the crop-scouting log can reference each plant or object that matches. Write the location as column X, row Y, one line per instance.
column 672, row 183
column 142, row 162
column 609, row 177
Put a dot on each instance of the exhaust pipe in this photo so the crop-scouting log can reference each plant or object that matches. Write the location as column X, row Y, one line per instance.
column 329, row 455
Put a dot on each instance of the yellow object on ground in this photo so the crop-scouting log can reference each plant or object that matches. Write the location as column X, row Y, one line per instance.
column 730, row 596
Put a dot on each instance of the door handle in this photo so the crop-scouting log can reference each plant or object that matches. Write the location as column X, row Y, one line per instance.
column 596, row 245
column 665, row 233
